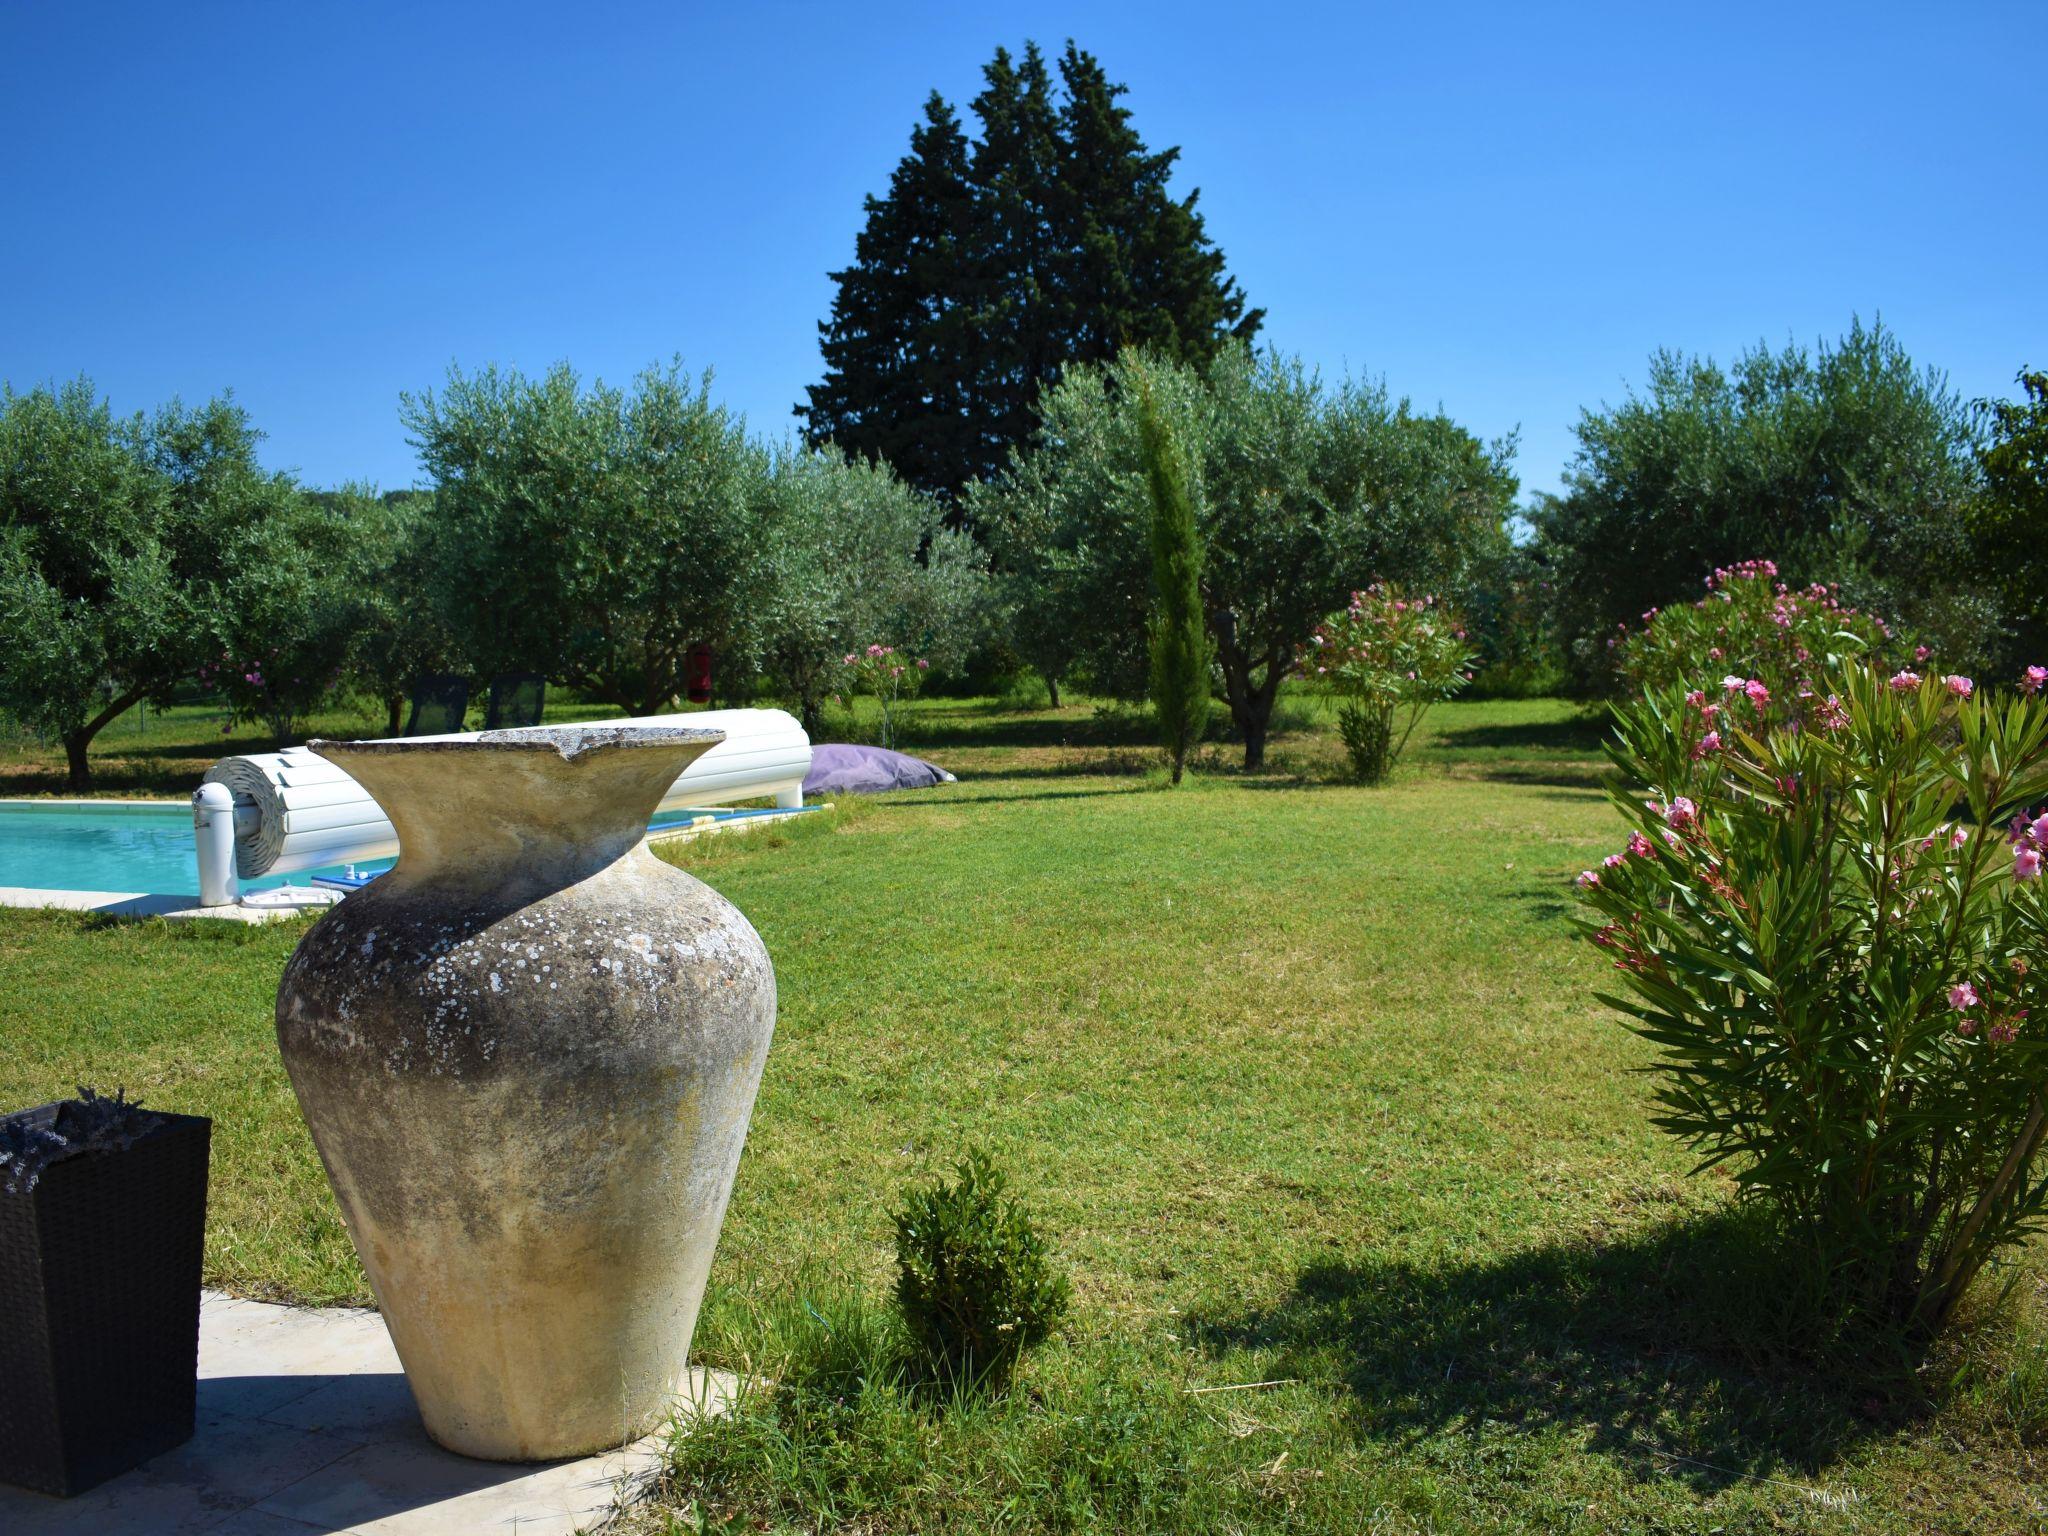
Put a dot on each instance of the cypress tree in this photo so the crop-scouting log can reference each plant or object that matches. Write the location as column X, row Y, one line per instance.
column 1181, row 651
column 988, row 268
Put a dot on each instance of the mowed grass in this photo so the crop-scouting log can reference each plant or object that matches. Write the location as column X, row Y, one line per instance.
column 1306, row 1083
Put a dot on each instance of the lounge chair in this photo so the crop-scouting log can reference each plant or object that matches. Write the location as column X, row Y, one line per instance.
column 438, row 705
column 516, row 699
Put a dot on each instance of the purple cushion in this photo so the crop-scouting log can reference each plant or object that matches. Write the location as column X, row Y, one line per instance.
column 838, row 768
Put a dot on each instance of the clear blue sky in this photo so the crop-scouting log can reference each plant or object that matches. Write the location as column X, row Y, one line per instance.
column 1501, row 209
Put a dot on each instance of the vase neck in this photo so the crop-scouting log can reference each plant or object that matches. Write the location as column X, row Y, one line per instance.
column 538, row 808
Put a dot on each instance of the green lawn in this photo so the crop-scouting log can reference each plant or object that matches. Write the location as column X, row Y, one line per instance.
column 1306, row 1083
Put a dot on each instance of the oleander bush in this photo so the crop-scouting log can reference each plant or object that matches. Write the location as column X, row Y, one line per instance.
column 1829, row 919
column 975, row 1281
column 1389, row 657
column 1752, row 624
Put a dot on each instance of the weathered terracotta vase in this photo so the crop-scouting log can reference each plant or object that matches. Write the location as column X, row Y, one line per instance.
column 528, row 1055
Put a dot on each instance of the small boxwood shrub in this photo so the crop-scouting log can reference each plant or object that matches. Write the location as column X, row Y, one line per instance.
column 973, row 1278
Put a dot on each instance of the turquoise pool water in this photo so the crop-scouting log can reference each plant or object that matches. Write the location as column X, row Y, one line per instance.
column 108, row 847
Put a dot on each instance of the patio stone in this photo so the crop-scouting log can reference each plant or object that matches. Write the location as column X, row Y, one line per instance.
column 306, row 1426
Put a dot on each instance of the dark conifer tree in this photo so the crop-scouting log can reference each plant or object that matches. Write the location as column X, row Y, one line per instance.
column 895, row 387
column 984, row 272
column 1014, row 267
column 1135, row 265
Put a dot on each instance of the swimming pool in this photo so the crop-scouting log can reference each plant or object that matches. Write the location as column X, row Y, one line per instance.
column 109, row 845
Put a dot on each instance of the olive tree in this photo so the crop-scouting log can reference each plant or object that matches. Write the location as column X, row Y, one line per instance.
column 593, row 534
column 1844, row 464
column 1304, row 492
column 397, row 630
column 857, row 557
column 290, row 610
column 126, row 545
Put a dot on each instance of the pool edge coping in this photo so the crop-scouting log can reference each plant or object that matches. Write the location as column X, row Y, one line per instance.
column 98, row 802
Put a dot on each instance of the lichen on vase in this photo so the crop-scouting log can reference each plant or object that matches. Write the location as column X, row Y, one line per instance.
column 528, row 1055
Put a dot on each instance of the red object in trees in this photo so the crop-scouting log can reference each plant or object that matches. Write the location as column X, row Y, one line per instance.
column 697, row 674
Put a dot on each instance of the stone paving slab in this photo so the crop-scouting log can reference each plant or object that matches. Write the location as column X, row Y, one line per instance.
column 306, row 1428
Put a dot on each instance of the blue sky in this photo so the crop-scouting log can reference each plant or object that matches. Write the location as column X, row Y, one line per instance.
column 1501, row 209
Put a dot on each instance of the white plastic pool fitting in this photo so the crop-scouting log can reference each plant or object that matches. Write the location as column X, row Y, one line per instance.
column 213, row 830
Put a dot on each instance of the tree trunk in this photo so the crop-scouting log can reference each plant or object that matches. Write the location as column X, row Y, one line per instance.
column 1251, row 707
column 394, row 714
column 1253, row 724
column 1052, row 687
column 75, row 743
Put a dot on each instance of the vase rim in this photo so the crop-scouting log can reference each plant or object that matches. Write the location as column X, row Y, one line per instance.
column 569, row 742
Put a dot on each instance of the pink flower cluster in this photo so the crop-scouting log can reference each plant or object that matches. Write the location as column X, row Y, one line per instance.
column 1748, row 618
column 2029, row 841
column 1963, row 997
column 2033, row 679
column 1639, row 847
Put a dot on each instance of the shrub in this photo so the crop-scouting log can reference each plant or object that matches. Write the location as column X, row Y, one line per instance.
column 1819, row 924
column 973, row 1278
column 892, row 678
column 1748, row 623
column 1368, row 733
column 1388, row 655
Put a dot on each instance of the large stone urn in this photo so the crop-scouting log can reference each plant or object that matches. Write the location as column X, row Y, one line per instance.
column 528, row 1055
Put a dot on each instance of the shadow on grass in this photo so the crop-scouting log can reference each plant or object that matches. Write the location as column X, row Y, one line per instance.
column 1590, row 779
column 174, row 777
column 1575, row 733
column 1679, row 1350
column 936, row 732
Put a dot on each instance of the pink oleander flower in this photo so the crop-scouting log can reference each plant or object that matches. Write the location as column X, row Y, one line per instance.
column 1683, row 813
column 1711, row 742
column 2026, row 864
column 1671, row 838
column 2000, row 1034
column 1905, row 682
column 1962, row 996
column 1613, row 861
column 923, row 665
column 1588, row 878
column 1957, row 838
column 1966, row 1025
column 1921, row 653
column 1713, row 653
column 1639, row 845
column 1697, row 699
column 1734, row 684
column 852, row 660
column 2033, row 679
column 1961, row 687
column 1759, row 695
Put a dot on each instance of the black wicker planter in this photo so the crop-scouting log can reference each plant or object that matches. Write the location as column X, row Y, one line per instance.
column 99, row 1306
